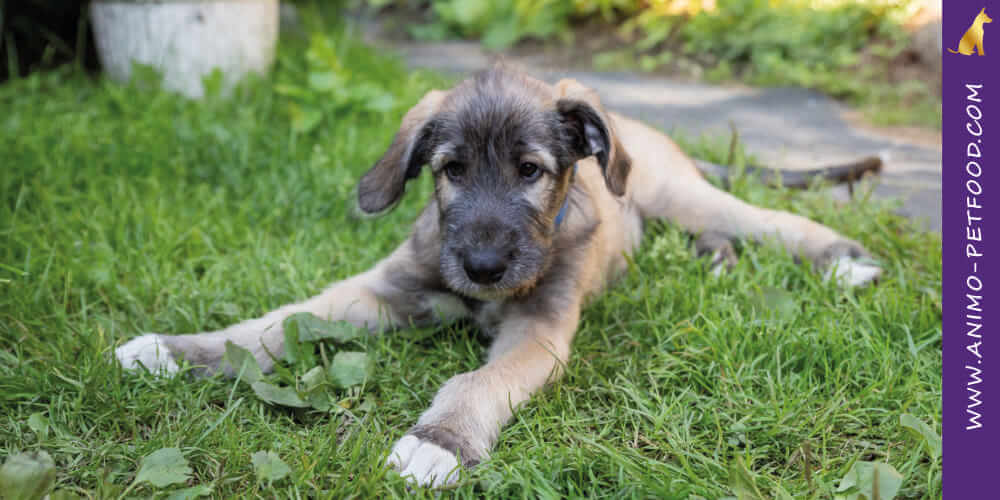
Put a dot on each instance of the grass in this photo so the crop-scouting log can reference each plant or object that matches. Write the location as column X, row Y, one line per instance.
column 127, row 210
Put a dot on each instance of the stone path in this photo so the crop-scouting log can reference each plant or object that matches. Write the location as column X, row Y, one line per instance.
column 783, row 127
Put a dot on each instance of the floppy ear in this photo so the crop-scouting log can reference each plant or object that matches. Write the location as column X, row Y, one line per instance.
column 383, row 185
column 592, row 132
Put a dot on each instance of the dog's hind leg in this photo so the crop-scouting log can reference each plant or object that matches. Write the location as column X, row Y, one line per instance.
column 665, row 183
column 718, row 248
column 389, row 295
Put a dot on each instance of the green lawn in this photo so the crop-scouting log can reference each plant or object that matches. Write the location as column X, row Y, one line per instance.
column 126, row 210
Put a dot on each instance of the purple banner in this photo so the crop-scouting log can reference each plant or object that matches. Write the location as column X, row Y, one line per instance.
column 971, row 190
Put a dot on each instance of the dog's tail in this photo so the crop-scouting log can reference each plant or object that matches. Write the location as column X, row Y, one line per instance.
column 954, row 51
column 799, row 179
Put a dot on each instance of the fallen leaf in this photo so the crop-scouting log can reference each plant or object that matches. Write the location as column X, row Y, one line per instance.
column 350, row 368
column 776, row 302
column 243, row 362
column 284, row 396
column 311, row 328
column 931, row 438
column 27, row 476
column 164, row 467
column 202, row 490
column 39, row 424
column 865, row 478
column 269, row 467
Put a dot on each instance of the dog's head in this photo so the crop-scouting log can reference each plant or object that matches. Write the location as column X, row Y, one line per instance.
column 983, row 17
column 501, row 147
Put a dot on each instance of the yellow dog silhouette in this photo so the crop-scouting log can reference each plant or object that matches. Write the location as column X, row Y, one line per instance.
column 973, row 37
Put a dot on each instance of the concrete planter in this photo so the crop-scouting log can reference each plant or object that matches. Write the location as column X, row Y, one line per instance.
column 186, row 40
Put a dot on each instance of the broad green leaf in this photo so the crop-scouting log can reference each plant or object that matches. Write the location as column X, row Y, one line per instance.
column 304, row 120
column 324, row 81
column 39, row 424
column 320, row 399
column 311, row 328
column 202, row 490
column 741, row 482
column 293, row 348
column 243, row 362
column 27, row 476
column 164, row 467
column 865, row 478
column 931, row 438
column 283, row 396
column 269, row 467
column 350, row 368
column 775, row 302
column 316, row 385
column 313, row 378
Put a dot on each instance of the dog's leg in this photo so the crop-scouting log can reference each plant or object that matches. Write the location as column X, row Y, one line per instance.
column 465, row 418
column 719, row 249
column 665, row 183
column 386, row 296
column 699, row 207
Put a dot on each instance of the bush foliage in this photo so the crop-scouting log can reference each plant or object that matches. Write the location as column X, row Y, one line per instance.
column 841, row 47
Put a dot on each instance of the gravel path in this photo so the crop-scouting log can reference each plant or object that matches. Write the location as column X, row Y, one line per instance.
column 783, row 127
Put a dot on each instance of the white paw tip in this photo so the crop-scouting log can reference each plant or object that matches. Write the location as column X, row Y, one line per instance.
column 146, row 351
column 852, row 272
column 423, row 463
column 719, row 266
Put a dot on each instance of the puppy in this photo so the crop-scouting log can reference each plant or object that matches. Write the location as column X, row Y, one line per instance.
column 540, row 195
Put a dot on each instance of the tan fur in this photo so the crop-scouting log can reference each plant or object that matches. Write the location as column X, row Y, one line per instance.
column 534, row 325
column 973, row 37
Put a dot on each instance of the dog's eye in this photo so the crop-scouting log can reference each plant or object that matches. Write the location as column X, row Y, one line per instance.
column 454, row 170
column 529, row 171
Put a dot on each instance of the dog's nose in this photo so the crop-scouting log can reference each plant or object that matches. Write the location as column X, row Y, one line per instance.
column 485, row 266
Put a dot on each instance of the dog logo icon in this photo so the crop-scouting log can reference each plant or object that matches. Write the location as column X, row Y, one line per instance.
column 973, row 37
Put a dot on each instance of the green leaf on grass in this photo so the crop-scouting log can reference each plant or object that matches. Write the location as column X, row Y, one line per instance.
column 164, row 467
column 313, row 378
column 283, row 396
column 304, row 120
column 269, row 467
column 775, row 302
column 350, row 368
column 865, row 480
column 27, row 476
column 311, row 328
column 316, row 385
column 202, row 490
column 39, row 424
column 324, row 81
column 294, row 350
column 741, row 482
column 243, row 362
column 931, row 438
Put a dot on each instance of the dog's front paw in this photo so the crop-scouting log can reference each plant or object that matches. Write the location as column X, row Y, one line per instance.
column 423, row 462
column 147, row 351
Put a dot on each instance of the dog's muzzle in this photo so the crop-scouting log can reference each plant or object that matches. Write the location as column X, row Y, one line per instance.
column 485, row 266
